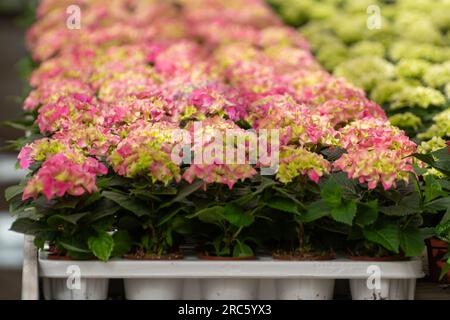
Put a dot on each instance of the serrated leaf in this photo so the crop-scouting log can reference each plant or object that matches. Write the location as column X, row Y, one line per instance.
column 345, row 213
column 315, row 211
column 213, row 215
column 412, row 242
column 332, row 193
column 136, row 206
column 438, row 205
column 283, row 204
column 386, row 236
column 432, row 188
column 367, row 213
column 183, row 193
column 101, row 246
column 237, row 216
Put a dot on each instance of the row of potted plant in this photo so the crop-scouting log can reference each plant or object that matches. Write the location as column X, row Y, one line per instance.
column 401, row 61
column 109, row 103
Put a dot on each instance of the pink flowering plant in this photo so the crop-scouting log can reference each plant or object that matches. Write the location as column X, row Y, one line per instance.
column 210, row 120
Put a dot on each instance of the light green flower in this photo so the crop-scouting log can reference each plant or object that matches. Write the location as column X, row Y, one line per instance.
column 440, row 128
column 411, row 68
column 438, row 76
column 367, row 48
column 434, row 144
column 384, row 91
column 406, row 120
column 365, row 72
column 421, row 97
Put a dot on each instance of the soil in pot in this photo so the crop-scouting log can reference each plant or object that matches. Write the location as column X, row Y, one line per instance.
column 217, row 258
column 379, row 259
column 175, row 256
column 306, row 256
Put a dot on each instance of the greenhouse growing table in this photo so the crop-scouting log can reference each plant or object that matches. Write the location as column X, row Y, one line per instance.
column 265, row 269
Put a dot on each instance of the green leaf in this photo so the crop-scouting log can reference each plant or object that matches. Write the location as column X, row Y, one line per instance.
column 181, row 225
column 283, row 204
column 438, row 205
column 443, row 230
column 445, row 270
column 72, row 247
column 13, row 191
column 214, row 215
column 138, row 207
column 398, row 211
column 237, row 216
column 28, row 226
column 122, row 243
column 315, row 211
column 367, row 213
column 332, row 193
column 170, row 216
column 386, row 235
column 102, row 212
column 345, row 213
column 58, row 219
column 184, row 192
column 242, row 250
column 432, row 188
column 412, row 242
column 101, row 246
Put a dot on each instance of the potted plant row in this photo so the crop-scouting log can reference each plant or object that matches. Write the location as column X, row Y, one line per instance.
column 112, row 177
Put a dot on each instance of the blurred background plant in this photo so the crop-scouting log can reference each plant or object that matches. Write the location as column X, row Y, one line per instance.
column 15, row 15
column 404, row 65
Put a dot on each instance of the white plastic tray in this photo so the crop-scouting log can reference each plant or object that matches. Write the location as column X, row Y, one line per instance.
column 263, row 268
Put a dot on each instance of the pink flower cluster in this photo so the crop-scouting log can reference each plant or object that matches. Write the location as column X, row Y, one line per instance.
column 105, row 94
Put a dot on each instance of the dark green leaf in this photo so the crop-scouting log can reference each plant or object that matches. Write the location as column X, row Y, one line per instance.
column 432, row 188
column 367, row 213
column 72, row 247
column 237, row 216
column 184, row 192
column 345, row 213
column 283, row 204
column 438, row 205
column 28, row 226
column 58, row 219
column 386, row 235
column 13, row 192
column 122, row 243
column 213, row 215
column 136, row 206
column 411, row 242
column 315, row 211
column 398, row 211
column 332, row 193
column 242, row 250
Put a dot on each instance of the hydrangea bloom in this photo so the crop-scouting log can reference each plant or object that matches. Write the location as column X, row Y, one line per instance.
column 121, row 92
column 60, row 175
